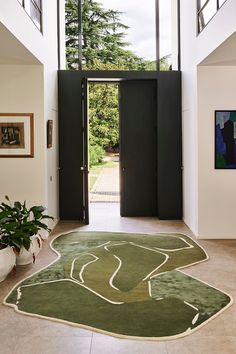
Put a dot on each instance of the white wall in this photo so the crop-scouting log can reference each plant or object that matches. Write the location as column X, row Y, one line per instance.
column 217, row 188
column 209, row 194
column 221, row 27
column 189, row 106
column 18, row 22
column 32, row 88
column 51, row 104
column 21, row 91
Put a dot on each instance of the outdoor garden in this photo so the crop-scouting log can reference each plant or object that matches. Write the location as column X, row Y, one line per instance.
column 104, row 47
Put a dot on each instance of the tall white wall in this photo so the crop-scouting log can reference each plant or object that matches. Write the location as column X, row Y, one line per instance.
column 51, row 104
column 33, row 88
column 217, row 188
column 189, row 107
column 21, row 91
column 209, row 194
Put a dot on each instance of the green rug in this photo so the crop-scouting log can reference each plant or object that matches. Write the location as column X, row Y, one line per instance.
column 127, row 285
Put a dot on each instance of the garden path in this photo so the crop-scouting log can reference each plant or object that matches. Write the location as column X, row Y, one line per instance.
column 107, row 185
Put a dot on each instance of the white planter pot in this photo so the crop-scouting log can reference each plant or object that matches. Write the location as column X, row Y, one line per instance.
column 7, row 262
column 28, row 256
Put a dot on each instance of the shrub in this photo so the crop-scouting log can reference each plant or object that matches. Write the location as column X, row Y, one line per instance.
column 96, row 154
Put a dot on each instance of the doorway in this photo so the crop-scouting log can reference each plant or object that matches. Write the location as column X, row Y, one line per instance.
column 104, row 135
column 133, row 103
column 150, row 143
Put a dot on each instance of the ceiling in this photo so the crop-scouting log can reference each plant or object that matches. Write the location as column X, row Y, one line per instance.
column 12, row 52
column 224, row 55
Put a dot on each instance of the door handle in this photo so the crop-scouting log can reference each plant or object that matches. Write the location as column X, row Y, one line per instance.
column 123, row 169
column 84, row 169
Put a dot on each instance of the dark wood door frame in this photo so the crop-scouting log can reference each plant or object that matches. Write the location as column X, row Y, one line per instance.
column 169, row 133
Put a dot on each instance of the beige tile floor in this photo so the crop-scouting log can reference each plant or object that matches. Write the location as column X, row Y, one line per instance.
column 25, row 335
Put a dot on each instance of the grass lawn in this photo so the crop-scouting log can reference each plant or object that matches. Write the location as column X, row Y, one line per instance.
column 92, row 180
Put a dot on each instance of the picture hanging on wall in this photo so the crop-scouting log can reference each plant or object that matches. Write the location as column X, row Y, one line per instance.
column 49, row 133
column 16, row 135
column 225, row 139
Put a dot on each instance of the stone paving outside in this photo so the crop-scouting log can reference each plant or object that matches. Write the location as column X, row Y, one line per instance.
column 106, row 187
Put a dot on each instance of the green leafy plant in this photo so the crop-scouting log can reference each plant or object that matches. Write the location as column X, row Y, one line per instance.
column 18, row 224
column 96, row 154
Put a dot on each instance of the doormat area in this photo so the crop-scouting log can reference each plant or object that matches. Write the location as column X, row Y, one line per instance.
column 126, row 285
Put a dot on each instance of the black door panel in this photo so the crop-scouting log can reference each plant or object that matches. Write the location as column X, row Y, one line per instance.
column 85, row 166
column 138, row 147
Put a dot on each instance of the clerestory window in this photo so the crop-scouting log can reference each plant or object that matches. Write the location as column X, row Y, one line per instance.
column 122, row 35
column 206, row 9
column 34, row 10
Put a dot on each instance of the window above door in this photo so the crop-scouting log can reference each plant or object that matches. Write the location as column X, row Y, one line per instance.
column 122, row 35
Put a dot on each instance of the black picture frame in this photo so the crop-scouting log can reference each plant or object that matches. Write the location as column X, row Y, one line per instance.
column 49, row 133
column 225, row 139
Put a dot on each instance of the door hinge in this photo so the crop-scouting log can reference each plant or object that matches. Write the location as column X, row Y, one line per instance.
column 82, row 91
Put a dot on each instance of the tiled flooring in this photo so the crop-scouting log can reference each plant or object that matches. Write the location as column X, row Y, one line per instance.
column 21, row 334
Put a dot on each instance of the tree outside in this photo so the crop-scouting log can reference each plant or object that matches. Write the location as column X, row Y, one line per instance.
column 103, row 48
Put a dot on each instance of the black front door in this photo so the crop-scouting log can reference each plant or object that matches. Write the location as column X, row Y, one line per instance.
column 138, row 147
column 85, row 165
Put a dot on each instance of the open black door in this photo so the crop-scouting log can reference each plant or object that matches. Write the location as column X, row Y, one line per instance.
column 85, row 167
column 138, row 147
column 145, row 189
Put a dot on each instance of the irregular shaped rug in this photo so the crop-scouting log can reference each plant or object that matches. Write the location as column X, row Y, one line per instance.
column 127, row 285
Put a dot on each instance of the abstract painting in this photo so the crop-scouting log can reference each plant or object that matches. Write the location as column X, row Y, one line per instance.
column 16, row 135
column 225, row 139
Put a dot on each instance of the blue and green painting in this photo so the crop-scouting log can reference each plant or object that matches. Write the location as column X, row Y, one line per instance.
column 225, row 139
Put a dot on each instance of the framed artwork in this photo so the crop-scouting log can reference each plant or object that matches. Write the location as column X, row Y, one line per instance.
column 225, row 139
column 49, row 133
column 16, row 135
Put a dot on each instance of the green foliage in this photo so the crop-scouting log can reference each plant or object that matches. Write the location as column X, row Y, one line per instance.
column 164, row 63
column 71, row 34
column 104, row 115
column 96, row 154
column 18, row 224
column 103, row 39
column 103, row 48
column 103, row 33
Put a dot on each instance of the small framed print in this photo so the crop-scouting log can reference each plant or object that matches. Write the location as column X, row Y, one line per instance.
column 49, row 133
column 16, row 135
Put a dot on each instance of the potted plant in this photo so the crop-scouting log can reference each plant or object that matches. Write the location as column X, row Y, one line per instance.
column 7, row 260
column 19, row 227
